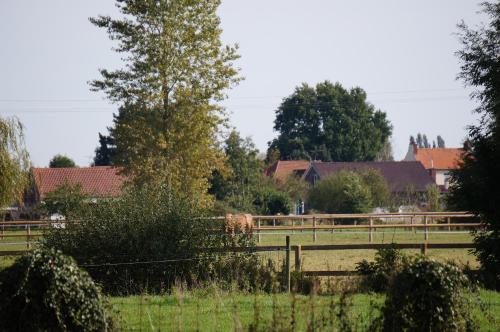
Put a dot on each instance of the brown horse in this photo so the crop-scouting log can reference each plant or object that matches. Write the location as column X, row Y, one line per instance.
column 235, row 223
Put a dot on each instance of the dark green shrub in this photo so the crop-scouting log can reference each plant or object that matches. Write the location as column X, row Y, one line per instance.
column 342, row 192
column 270, row 201
column 428, row 296
column 68, row 200
column 147, row 241
column 47, row 291
column 377, row 274
column 300, row 283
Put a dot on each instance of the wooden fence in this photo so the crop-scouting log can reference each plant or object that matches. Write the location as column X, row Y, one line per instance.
column 369, row 222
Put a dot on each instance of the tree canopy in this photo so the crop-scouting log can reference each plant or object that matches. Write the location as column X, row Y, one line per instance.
column 176, row 68
column 105, row 152
column 59, row 161
column 329, row 122
column 474, row 186
column 14, row 161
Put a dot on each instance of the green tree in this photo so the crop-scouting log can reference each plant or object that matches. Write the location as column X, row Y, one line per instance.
column 420, row 141
column 176, row 68
column 341, row 192
column 433, row 197
column 60, row 161
column 105, row 152
column 329, row 122
column 238, row 184
column 68, row 200
column 14, row 161
column 425, row 141
column 474, row 185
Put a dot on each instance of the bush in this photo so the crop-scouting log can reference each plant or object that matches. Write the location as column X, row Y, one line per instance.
column 68, row 200
column 342, row 192
column 378, row 274
column 46, row 291
column 427, row 296
column 148, row 240
column 270, row 201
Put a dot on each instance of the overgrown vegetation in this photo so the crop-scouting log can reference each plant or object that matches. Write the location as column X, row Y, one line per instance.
column 428, row 296
column 67, row 200
column 47, row 291
column 349, row 191
column 149, row 239
column 474, row 185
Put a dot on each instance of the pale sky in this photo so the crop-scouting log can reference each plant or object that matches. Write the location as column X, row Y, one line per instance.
column 401, row 52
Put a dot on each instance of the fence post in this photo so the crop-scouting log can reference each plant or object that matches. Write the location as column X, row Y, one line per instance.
column 371, row 230
column 302, row 224
column 287, row 263
column 412, row 228
column 28, row 233
column 274, row 222
column 293, row 226
column 258, row 230
column 423, row 248
column 333, row 225
column 426, row 229
column 298, row 252
column 314, row 229
column 449, row 221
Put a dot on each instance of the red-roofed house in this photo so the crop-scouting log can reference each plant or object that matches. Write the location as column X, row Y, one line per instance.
column 437, row 161
column 282, row 169
column 97, row 182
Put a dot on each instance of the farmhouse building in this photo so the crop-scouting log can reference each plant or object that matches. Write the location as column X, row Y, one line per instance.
column 400, row 175
column 96, row 182
column 282, row 169
column 437, row 161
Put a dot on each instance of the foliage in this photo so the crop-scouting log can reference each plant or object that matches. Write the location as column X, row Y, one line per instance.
column 349, row 191
column 47, row 291
column 149, row 239
column 175, row 68
column 294, row 186
column 440, row 142
column 105, row 152
column 270, row 201
column 68, row 200
column 474, row 185
column 386, row 153
column 14, row 161
column 377, row 275
column 59, row 161
column 328, row 123
column 238, row 185
column 433, row 197
column 428, row 296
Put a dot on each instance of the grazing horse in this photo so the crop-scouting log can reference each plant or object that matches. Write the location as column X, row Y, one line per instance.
column 235, row 223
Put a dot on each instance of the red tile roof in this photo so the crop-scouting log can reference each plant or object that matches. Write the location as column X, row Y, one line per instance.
column 438, row 158
column 284, row 168
column 398, row 174
column 99, row 181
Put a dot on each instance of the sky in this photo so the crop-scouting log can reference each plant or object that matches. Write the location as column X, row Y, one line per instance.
column 401, row 52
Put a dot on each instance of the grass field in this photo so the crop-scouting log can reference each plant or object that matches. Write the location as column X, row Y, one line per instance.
column 216, row 311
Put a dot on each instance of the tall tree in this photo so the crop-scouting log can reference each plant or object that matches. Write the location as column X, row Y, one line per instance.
column 59, row 161
column 425, row 141
column 440, row 142
column 176, row 68
column 328, row 122
column 474, row 186
column 420, row 141
column 14, row 162
column 105, row 152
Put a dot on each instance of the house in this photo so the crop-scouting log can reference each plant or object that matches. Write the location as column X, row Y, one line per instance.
column 437, row 161
column 400, row 175
column 282, row 169
column 97, row 182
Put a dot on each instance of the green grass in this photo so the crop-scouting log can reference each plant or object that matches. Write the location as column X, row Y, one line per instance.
column 216, row 311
